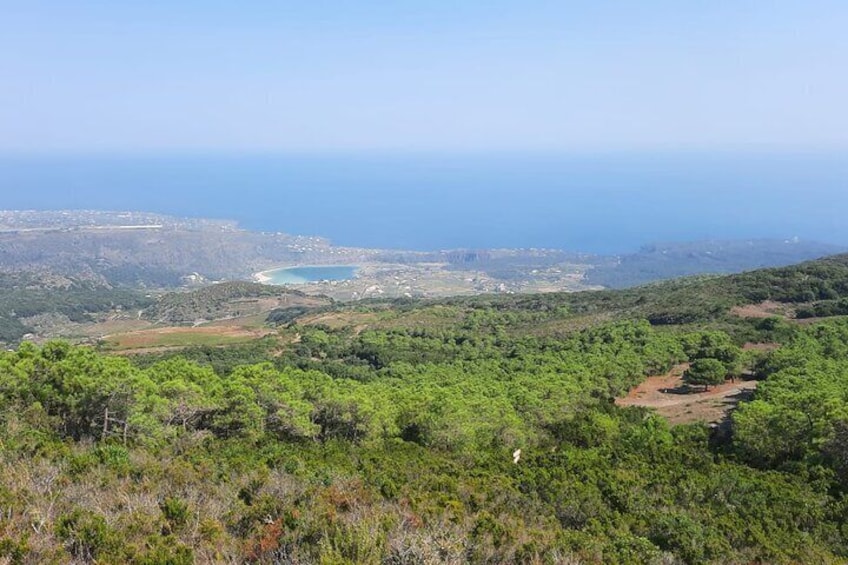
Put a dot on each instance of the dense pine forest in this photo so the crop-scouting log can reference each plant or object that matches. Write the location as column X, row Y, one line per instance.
column 474, row 430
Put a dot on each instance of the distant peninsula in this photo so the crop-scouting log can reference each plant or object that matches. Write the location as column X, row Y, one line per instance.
column 145, row 250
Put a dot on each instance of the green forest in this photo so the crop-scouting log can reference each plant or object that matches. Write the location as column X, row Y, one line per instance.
column 472, row 430
column 23, row 295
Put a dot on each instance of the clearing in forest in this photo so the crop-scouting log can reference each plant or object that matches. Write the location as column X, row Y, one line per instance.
column 671, row 398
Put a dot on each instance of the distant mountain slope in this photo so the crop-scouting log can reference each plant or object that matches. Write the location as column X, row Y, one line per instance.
column 25, row 296
column 146, row 250
column 226, row 300
column 818, row 287
column 672, row 260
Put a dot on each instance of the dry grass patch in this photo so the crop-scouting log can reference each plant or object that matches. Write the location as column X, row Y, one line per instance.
column 185, row 337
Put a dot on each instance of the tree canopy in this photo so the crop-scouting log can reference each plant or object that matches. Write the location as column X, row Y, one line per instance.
column 393, row 441
column 706, row 371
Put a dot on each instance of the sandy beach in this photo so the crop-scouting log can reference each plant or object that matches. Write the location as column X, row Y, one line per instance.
column 263, row 276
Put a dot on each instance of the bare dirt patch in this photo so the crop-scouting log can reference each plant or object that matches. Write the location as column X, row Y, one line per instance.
column 667, row 394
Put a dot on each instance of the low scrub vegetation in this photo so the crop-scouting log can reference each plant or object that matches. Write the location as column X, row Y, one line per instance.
column 470, row 439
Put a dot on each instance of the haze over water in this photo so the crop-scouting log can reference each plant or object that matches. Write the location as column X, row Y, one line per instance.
column 602, row 204
column 594, row 126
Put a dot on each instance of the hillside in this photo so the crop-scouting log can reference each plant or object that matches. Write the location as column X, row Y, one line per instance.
column 818, row 285
column 664, row 261
column 143, row 250
column 480, row 429
column 28, row 300
column 226, row 301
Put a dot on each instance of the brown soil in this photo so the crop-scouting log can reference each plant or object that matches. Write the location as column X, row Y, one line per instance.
column 669, row 396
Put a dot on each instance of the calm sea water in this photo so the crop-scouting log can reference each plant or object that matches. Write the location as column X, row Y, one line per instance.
column 595, row 204
column 300, row 275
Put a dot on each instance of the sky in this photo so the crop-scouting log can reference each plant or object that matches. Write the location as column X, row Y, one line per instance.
column 106, row 76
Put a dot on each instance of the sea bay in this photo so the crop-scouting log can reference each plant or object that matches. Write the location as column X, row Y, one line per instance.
column 307, row 274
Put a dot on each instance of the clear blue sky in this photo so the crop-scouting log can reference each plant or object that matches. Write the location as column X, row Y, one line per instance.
column 495, row 75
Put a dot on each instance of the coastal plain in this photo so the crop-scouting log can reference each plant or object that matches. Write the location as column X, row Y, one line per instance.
column 120, row 279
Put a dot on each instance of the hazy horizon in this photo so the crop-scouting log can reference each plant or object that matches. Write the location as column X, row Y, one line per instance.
column 429, row 125
column 581, row 203
column 412, row 77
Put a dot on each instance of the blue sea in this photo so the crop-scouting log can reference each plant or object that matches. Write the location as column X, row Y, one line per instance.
column 300, row 275
column 602, row 203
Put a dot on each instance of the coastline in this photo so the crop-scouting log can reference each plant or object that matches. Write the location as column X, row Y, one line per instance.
column 262, row 276
column 265, row 277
